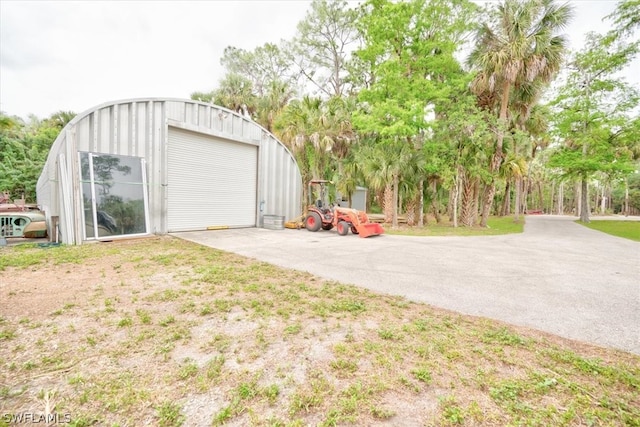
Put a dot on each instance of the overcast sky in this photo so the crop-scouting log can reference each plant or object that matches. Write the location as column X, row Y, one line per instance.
column 74, row 55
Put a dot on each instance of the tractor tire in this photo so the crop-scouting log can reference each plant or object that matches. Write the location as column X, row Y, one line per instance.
column 327, row 226
column 313, row 222
column 354, row 230
column 343, row 228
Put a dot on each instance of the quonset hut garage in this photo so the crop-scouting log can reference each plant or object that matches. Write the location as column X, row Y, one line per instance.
column 155, row 166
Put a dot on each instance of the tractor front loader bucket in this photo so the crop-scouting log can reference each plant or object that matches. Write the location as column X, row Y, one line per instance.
column 369, row 229
column 360, row 222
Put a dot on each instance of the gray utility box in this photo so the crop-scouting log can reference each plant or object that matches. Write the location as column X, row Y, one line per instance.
column 273, row 222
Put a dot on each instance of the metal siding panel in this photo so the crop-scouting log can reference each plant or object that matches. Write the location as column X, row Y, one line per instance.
column 114, row 147
column 217, row 122
column 133, row 131
column 175, row 110
column 203, row 116
column 124, row 130
column 159, row 140
column 267, row 177
column 44, row 188
column 95, row 124
column 187, row 113
column 73, row 176
column 227, row 122
column 66, row 209
column 141, row 121
column 84, row 133
column 281, row 183
column 277, row 181
column 254, row 132
column 104, row 130
column 211, row 182
column 149, row 149
column 237, row 126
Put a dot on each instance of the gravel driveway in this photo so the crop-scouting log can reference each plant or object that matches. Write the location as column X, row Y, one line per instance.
column 558, row 276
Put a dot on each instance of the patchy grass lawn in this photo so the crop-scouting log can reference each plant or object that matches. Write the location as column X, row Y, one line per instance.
column 626, row 229
column 164, row 332
column 495, row 226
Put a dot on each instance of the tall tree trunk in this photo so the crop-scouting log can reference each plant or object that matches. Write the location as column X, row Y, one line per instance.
column 506, row 203
column 476, row 198
column 454, row 194
column 421, row 204
column 584, row 201
column 561, row 199
column 626, row 197
column 469, row 205
column 387, row 202
column 540, row 195
column 577, row 201
column 496, row 159
column 490, row 189
column 435, row 201
column 524, row 196
column 452, row 203
column 396, row 184
column 412, row 207
column 518, row 204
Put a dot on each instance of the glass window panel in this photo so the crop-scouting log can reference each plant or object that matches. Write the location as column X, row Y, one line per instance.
column 119, row 195
column 87, row 210
column 120, row 210
column 85, row 181
column 84, row 168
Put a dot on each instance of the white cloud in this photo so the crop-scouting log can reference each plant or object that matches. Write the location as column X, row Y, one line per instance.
column 71, row 55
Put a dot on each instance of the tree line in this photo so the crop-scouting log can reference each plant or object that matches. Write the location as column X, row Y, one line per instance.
column 24, row 147
column 445, row 107
column 442, row 107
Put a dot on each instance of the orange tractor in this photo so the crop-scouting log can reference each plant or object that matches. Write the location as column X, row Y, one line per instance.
column 321, row 215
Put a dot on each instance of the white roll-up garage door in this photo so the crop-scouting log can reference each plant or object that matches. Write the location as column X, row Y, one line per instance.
column 211, row 182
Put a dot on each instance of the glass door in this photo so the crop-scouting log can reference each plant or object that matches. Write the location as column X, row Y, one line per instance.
column 114, row 194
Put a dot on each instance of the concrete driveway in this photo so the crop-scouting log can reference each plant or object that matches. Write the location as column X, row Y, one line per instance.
column 558, row 276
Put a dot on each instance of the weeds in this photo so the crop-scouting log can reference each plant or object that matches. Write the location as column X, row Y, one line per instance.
column 7, row 334
column 188, row 369
column 422, row 374
column 169, row 414
column 144, row 316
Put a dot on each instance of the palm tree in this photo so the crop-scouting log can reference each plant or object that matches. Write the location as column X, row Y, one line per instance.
column 318, row 133
column 470, row 187
column 377, row 168
column 519, row 46
column 61, row 118
column 236, row 94
column 385, row 166
column 270, row 105
column 512, row 169
column 297, row 126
